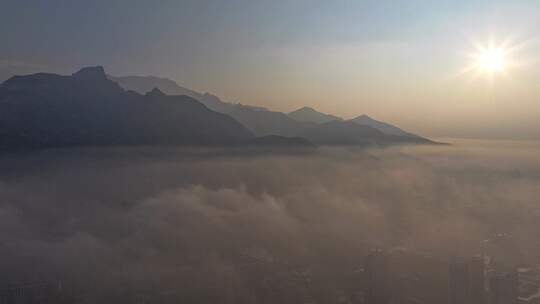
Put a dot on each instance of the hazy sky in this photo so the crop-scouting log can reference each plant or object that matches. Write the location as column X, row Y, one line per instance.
column 399, row 61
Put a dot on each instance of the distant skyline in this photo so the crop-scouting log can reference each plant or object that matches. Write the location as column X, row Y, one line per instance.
column 397, row 61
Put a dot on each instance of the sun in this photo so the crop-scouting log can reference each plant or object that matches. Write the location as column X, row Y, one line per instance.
column 491, row 60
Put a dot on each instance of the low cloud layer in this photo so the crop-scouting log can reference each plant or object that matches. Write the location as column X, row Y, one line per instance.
column 169, row 225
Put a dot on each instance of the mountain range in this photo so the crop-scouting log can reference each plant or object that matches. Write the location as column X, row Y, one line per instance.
column 90, row 107
column 259, row 120
column 86, row 108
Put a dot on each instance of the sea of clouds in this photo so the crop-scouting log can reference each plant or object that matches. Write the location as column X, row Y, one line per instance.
column 121, row 224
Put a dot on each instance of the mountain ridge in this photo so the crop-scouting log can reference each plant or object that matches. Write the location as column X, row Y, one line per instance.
column 89, row 107
column 264, row 123
column 86, row 108
column 382, row 126
column 311, row 115
column 143, row 84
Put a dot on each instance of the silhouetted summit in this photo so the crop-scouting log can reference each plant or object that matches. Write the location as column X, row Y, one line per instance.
column 264, row 123
column 311, row 115
column 96, row 73
column 155, row 93
column 386, row 128
column 86, row 108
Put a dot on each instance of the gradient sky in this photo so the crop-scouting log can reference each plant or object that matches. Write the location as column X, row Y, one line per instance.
column 398, row 61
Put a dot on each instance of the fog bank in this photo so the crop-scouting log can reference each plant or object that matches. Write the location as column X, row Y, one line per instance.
column 167, row 225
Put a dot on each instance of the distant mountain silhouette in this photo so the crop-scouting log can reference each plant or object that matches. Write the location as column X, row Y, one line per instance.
column 280, row 141
column 86, row 108
column 258, row 120
column 311, row 115
column 264, row 123
column 89, row 108
column 336, row 132
column 350, row 133
column 143, row 84
column 386, row 128
column 344, row 133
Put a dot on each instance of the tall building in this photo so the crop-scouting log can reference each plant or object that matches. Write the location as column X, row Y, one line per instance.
column 503, row 288
column 416, row 278
column 35, row 292
column 377, row 278
column 477, row 281
column 458, row 282
column 466, row 281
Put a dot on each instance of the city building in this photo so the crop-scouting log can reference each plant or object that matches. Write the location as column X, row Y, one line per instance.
column 458, row 282
column 503, row 288
column 376, row 269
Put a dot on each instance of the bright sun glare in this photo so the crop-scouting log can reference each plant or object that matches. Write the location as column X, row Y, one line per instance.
column 491, row 60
